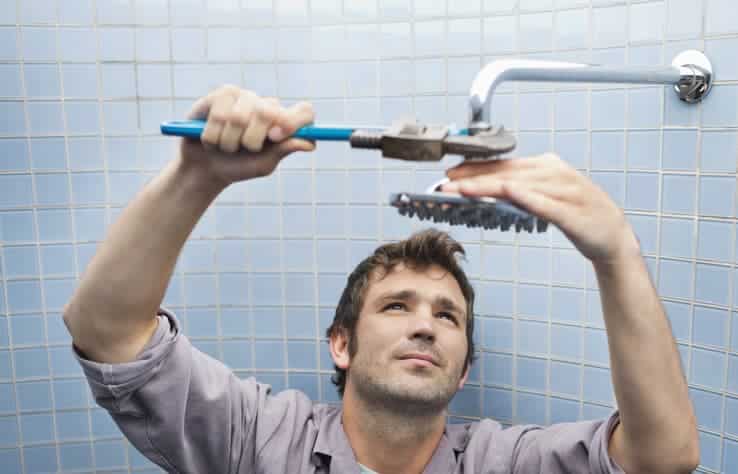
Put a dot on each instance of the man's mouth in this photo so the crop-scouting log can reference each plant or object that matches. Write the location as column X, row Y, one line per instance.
column 420, row 359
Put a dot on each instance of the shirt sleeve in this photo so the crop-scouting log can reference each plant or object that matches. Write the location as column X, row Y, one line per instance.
column 188, row 412
column 564, row 448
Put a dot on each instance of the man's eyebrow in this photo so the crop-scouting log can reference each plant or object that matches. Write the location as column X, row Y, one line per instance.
column 403, row 295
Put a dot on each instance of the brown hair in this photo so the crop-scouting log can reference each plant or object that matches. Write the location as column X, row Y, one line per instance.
column 420, row 250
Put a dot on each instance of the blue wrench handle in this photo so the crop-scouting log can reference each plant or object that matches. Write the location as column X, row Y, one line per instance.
column 194, row 128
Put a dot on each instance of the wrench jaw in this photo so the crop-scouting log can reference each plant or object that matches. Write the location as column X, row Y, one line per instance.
column 481, row 144
column 409, row 140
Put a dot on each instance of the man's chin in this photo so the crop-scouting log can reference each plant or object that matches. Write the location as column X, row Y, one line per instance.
column 419, row 390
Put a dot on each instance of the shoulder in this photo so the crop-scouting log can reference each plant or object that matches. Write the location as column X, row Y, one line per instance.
column 486, row 431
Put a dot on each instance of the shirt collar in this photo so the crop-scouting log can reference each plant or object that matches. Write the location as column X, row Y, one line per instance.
column 332, row 443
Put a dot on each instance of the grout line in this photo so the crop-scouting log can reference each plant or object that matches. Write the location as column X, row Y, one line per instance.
column 11, row 351
column 87, row 410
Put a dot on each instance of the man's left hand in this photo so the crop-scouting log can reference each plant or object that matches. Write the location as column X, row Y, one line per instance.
column 551, row 189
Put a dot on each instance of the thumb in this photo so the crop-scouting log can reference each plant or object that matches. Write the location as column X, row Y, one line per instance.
column 282, row 149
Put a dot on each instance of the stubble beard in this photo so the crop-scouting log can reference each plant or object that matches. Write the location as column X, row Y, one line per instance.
column 410, row 394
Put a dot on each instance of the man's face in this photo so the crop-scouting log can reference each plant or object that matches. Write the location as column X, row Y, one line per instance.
column 410, row 340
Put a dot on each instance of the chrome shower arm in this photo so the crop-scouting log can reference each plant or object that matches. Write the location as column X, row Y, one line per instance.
column 690, row 73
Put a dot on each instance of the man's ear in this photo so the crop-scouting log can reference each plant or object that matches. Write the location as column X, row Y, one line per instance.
column 338, row 343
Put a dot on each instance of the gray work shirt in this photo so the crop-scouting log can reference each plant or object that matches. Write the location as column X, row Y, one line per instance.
column 189, row 413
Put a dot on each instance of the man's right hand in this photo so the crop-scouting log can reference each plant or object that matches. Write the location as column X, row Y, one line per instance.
column 245, row 137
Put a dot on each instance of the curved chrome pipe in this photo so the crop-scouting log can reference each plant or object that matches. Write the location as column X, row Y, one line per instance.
column 690, row 72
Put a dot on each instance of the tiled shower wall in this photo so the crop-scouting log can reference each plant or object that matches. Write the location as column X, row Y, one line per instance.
column 85, row 83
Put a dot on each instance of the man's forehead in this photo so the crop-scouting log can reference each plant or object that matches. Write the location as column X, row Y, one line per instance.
column 399, row 278
column 401, row 269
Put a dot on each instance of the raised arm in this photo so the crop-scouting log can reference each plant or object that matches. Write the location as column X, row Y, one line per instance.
column 657, row 431
column 112, row 313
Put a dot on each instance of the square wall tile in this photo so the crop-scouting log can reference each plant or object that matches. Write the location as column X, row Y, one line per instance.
column 532, row 337
column 566, row 342
column 463, row 37
column 710, row 327
column 713, row 284
column 680, row 150
column 572, row 29
column 500, row 34
column 395, row 8
column 10, row 74
column 709, row 451
column 675, row 279
column 608, row 109
column 609, row 26
column 717, row 196
column 531, row 409
column 9, row 51
column 719, row 151
column 567, row 304
column 156, row 12
column 645, row 107
column 679, row 194
column 708, row 408
column 642, row 191
column 644, row 150
column 647, row 21
column 38, row 43
column 531, row 373
column 721, row 112
column 430, row 8
column 715, row 241
column 430, row 38
column 566, row 378
column 597, row 385
column 536, row 31
column 707, row 368
column 9, row 13
column 681, row 21
column 721, row 17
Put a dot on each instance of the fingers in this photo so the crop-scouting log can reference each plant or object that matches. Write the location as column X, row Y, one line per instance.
column 536, row 202
column 201, row 108
column 220, row 104
column 280, row 150
column 263, row 115
column 297, row 116
column 546, row 174
column 290, row 120
column 473, row 168
column 282, row 123
column 541, row 201
column 238, row 118
column 494, row 186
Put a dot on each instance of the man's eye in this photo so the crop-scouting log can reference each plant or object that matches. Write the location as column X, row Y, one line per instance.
column 395, row 306
column 448, row 316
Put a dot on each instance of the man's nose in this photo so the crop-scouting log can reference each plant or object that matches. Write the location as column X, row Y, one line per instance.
column 422, row 327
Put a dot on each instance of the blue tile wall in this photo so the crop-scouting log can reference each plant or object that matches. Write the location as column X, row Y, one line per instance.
column 84, row 84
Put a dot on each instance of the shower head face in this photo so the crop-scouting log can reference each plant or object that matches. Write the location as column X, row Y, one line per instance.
column 487, row 213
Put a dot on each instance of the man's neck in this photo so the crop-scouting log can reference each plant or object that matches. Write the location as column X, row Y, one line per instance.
column 389, row 442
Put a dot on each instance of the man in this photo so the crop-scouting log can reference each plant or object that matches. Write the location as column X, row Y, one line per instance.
column 401, row 338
